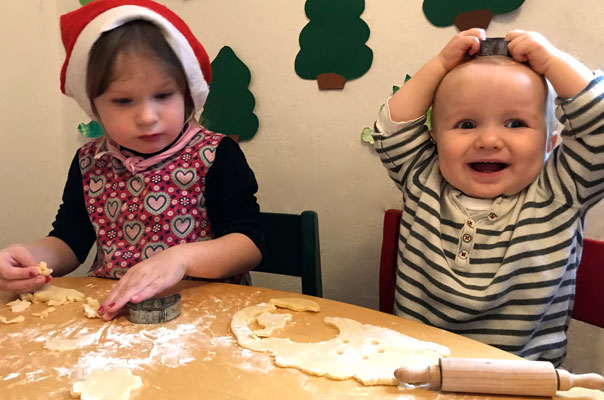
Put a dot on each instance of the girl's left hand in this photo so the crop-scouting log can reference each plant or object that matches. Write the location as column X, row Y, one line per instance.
column 144, row 280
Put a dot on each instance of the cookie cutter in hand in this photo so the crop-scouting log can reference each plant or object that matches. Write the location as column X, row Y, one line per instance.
column 155, row 310
column 494, row 47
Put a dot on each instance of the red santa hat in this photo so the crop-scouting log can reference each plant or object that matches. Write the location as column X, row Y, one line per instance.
column 82, row 27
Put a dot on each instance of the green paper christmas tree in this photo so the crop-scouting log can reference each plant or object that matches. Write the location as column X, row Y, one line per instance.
column 332, row 44
column 465, row 14
column 229, row 108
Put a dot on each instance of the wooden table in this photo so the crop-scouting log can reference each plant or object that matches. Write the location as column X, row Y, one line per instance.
column 194, row 356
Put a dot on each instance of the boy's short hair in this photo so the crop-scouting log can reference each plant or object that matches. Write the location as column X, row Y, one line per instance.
column 140, row 37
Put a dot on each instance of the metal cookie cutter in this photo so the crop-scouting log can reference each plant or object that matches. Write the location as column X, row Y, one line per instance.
column 155, row 310
column 494, row 47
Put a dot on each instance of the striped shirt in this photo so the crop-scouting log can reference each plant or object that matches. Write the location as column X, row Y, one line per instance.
column 504, row 276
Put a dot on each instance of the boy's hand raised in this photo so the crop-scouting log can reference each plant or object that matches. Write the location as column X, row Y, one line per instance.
column 567, row 75
column 534, row 48
column 466, row 42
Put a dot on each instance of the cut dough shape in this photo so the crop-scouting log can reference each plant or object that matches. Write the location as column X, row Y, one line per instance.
column 367, row 353
column 44, row 313
column 114, row 384
column 43, row 269
column 15, row 320
column 91, row 308
column 18, row 305
column 296, row 304
column 53, row 295
column 270, row 322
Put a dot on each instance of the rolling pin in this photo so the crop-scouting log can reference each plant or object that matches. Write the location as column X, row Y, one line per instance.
column 511, row 377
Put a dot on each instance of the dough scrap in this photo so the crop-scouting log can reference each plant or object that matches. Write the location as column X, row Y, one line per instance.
column 113, row 384
column 296, row 304
column 15, row 320
column 43, row 269
column 270, row 322
column 91, row 308
column 18, row 305
column 53, row 295
column 44, row 313
column 367, row 353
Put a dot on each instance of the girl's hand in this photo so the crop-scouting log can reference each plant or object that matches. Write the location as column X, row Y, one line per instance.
column 144, row 280
column 534, row 48
column 465, row 42
column 18, row 272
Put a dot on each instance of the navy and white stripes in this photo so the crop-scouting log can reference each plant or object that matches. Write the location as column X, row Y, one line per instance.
column 505, row 276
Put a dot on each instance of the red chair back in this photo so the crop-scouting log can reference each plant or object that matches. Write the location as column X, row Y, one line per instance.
column 388, row 259
column 589, row 294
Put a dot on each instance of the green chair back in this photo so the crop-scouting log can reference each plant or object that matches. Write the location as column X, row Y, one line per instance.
column 292, row 248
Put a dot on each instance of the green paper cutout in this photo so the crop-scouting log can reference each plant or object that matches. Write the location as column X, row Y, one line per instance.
column 229, row 108
column 443, row 12
column 91, row 130
column 333, row 41
column 366, row 135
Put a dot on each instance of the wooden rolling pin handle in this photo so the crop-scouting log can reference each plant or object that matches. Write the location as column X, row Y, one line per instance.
column 420, row 376
column 566, row 380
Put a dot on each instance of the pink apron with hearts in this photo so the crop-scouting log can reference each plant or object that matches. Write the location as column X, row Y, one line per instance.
column 138, row 215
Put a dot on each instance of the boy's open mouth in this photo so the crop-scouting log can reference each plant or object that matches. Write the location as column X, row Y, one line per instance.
column 488, row 166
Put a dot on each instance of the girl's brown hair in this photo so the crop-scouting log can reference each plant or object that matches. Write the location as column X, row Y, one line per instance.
column 143, row 38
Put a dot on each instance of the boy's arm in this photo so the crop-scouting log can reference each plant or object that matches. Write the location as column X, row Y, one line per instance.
column 567, row 75
column 579, row 164
column 414, row 98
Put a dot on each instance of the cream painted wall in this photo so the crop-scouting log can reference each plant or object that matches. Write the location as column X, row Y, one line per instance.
column 307, row 153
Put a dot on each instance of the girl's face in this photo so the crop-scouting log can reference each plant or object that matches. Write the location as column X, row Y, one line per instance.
column 142, row 109
column 489, row 128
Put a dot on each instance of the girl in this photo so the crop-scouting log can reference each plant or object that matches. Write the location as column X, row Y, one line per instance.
column 163, row 198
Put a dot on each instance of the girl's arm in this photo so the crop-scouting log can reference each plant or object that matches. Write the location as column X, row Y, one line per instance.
column 414, row 98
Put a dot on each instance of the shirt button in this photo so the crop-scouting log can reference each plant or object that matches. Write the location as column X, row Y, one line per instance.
column 467, row 238
column 492, row 216
column 470, row 223
column 463, row 254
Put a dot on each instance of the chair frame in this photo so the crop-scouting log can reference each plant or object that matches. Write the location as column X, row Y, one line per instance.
column 292, row 248
column 589, row 299
column 389, row 259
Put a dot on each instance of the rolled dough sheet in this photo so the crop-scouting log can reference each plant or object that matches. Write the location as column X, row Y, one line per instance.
column 113, row 384
column 367, row 353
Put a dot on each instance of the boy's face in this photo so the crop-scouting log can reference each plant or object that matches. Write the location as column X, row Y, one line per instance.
column 489, row 127
column 143, row 108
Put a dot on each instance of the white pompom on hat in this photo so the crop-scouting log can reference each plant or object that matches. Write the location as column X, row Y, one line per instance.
column 81, row 28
